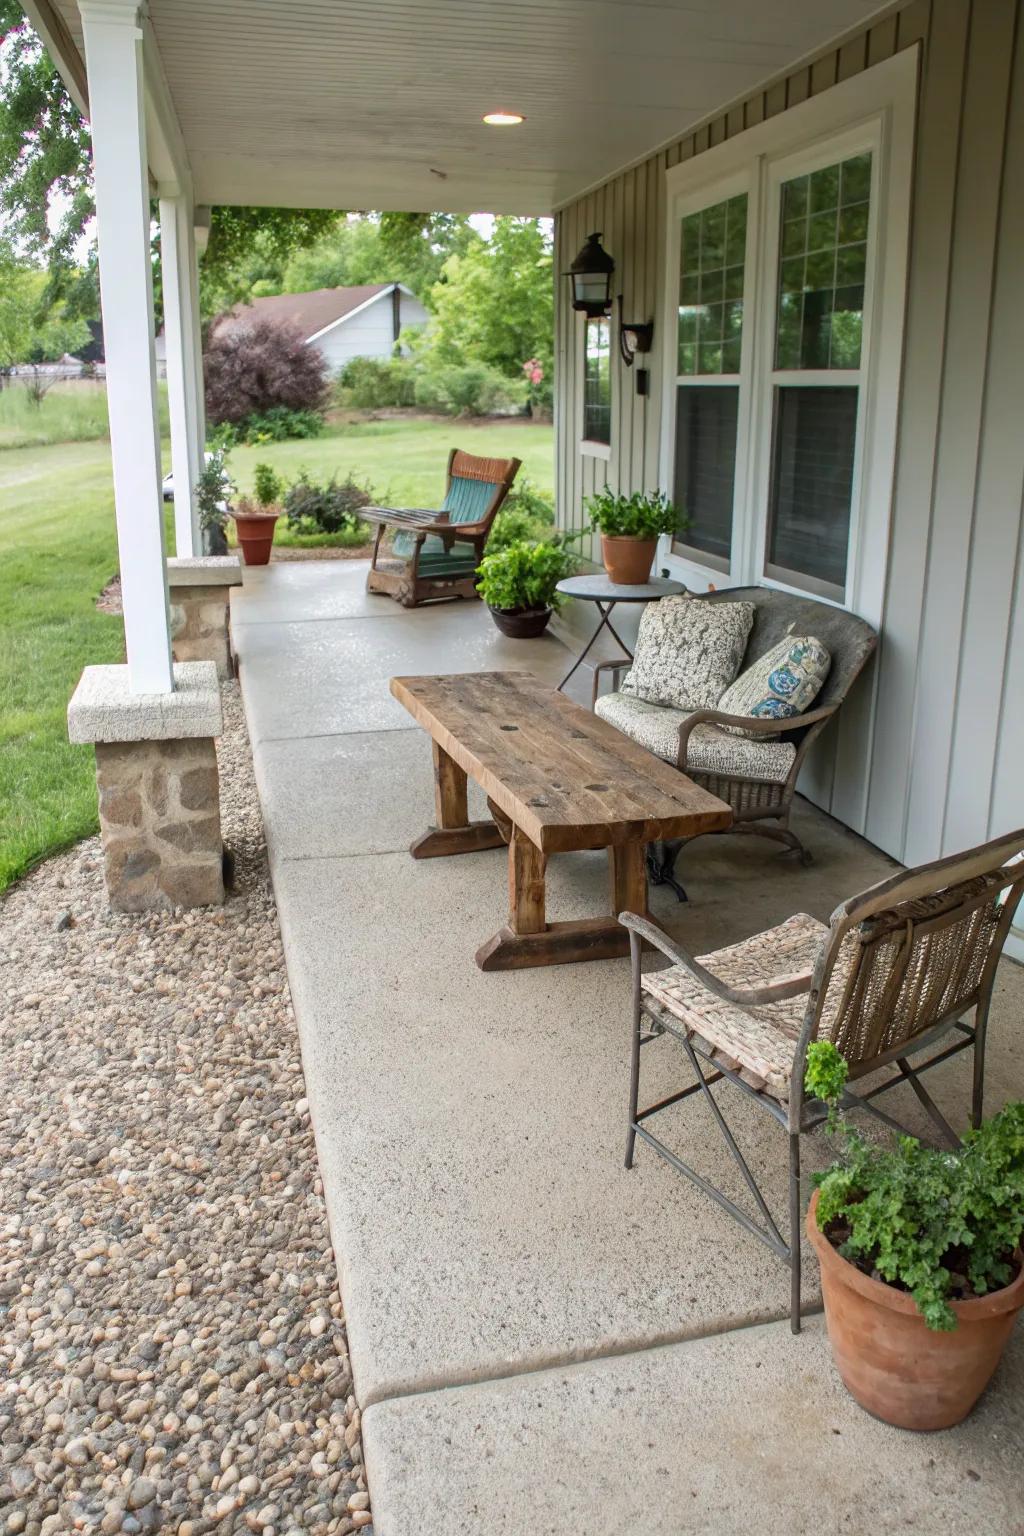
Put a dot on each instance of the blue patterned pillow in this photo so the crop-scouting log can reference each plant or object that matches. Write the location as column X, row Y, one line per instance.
column 780, row 684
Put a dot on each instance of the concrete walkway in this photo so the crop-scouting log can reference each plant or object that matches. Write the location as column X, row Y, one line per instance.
column 506, row 1282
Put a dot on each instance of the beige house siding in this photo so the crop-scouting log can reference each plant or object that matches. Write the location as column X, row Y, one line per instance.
column 928, row 756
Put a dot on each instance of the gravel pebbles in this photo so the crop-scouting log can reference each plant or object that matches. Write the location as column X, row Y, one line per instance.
column 172, row 1346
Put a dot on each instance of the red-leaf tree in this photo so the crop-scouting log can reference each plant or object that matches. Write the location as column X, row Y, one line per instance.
column 250, row 366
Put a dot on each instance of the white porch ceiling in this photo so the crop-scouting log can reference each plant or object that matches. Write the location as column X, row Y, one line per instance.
column 360, row 103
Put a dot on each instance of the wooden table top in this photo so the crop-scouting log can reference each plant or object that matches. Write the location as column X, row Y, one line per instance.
column 566, row 778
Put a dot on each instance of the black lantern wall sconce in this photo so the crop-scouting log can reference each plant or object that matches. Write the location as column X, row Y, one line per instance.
column 591, row 278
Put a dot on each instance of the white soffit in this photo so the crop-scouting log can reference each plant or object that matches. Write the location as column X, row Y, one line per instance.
column 378, row 103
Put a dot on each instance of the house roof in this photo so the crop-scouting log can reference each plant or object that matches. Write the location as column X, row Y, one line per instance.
column 379, row 103
column 310, row 312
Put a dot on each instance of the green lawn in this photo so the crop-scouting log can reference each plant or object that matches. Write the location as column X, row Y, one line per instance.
column 58, row 550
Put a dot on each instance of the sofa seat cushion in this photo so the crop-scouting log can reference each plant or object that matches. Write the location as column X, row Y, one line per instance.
column 711, row 749
column 688, row 652
column 780, row 684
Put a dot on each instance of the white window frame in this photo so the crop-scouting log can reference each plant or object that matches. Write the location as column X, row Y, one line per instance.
column 590, row 447
column 743, row 181
column 873, row 110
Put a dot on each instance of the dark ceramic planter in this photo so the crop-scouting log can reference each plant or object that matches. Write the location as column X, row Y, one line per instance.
column 521, row 623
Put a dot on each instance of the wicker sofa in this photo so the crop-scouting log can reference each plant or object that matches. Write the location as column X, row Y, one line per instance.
column 756, row 773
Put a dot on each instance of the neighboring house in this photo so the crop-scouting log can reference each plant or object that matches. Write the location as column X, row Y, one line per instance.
column 342, row 323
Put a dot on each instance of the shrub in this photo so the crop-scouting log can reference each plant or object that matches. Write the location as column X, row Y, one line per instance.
column 267, row 485
column 253, row 367
column 524, row 576
column 526, row 497
column 371, row 382
column 274, row 426
column 330, row 508
column 940, row 1225
column 468, row 389
column 640, row 516
column 511, row 526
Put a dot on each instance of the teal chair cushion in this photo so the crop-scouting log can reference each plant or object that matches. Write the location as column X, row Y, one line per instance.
column 466, row 502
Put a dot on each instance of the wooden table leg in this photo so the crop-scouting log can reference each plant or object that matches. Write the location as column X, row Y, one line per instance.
column 455, row 833
column 628, row 872
column 528, row 940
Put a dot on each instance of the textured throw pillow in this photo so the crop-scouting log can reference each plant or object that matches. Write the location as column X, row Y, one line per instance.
column 783, row 682
column 688, row 651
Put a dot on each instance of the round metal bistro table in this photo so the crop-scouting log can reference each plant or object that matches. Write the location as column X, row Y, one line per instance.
column 605, row 594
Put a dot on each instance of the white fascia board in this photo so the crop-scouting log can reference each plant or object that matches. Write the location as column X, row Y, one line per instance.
column 168, row 157
column 353, row 312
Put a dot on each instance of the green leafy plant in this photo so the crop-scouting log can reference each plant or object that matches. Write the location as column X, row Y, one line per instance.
column 214, row 489
column 941, row 1225
column 277, row 425
column 644, row 515
column 332, row 507
column 530, row 499
column 267, row 486
column 524, row 576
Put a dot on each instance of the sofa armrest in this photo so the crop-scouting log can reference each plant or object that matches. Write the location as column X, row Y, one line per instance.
column 748, row 723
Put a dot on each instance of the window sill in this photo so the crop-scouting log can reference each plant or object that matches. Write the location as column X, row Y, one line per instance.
column 592, row 450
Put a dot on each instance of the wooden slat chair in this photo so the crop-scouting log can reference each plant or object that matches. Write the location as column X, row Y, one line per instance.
column 429, row 563
column 893, row 974
column 756, row 773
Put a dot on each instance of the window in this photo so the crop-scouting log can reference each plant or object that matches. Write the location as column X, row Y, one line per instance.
column 709, row 338
column 597, row 381
column 824, row 222
column 785, row 295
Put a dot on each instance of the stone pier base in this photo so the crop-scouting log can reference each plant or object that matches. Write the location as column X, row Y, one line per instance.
column 156, row 773
column 199, row 589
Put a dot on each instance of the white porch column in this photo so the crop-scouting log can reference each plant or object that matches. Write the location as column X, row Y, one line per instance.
column 113, row 49
column 184, row 363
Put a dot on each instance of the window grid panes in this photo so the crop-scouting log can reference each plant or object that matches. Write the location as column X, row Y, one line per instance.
column 711, row 274
column 597, row 381
column 822, row 266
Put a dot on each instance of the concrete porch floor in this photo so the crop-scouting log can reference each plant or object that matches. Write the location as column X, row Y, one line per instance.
column 540, row 1340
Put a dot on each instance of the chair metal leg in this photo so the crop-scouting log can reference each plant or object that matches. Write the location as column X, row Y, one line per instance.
column 661, row 863
column 794, row 1231
column 634, row 1060
column 978, row 1090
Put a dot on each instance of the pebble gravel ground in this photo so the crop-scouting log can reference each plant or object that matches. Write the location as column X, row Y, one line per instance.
column 173, row 1354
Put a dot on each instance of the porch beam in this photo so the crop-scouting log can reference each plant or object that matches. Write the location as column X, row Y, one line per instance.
column 184, row 364
column 114, row 59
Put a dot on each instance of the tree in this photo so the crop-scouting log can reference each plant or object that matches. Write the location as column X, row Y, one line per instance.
column 255, row 365
column 495, row 301
column 32, row 329
column 46, row 194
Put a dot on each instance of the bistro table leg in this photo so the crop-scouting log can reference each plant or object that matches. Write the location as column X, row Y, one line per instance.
column 606, row 623
column 455, row 833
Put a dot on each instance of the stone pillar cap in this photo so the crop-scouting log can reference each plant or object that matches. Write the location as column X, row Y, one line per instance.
column 204, row 571
column 103, row 708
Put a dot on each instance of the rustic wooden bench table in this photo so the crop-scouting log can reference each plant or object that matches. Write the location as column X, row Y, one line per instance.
column 557, row 779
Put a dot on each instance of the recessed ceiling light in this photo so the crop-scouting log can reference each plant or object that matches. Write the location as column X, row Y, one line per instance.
column 503, row 119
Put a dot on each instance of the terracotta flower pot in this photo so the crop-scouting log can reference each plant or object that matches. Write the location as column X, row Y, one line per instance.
column 897, row 1367
column 255, row 535
column 521, row 623
column 627, row 561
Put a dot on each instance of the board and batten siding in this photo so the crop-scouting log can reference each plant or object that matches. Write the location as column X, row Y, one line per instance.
column 930, row 756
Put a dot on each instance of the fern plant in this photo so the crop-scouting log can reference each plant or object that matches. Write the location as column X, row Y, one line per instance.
column 941, row 1225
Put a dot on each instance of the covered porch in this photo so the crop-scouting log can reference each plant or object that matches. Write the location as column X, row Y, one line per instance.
column 541, row 1340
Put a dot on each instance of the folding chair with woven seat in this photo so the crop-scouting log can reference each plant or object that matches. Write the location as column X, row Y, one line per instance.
column 894, row 973
column 435, row 554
